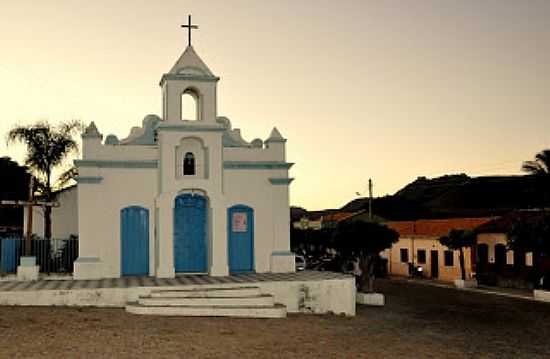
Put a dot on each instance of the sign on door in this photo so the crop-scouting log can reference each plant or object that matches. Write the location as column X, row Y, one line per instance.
column 240, row 222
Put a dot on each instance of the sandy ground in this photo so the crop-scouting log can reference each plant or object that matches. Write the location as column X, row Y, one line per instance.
column 417, row 322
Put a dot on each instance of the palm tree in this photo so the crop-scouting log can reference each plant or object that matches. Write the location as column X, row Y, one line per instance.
column 47, row 147
column 540, row 168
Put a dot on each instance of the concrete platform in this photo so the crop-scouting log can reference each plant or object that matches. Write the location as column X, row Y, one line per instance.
column 220, row 292
column 261, row 300
column 301, row 292
column 276, row 311
column 243, row 302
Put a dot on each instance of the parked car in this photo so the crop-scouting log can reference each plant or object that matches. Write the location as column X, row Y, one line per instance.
column 300, row 263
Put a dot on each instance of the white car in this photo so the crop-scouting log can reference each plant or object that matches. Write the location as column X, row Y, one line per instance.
column 300, row 263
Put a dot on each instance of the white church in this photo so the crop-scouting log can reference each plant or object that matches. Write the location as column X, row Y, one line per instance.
column 183, row 195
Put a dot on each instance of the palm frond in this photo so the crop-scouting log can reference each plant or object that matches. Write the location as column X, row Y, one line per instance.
column 47, row 147
column 532, row 167
column 66, row 177
column 540, row 166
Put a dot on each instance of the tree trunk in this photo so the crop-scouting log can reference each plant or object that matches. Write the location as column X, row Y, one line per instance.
column 48, row 223
column 461, row 259
column 367, row 276
column 48, row 210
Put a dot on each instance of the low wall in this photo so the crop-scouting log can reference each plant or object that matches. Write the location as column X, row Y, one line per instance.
column 314, row 296
column 542, row 295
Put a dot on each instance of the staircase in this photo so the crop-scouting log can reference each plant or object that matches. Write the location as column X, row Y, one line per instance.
column 244, row 302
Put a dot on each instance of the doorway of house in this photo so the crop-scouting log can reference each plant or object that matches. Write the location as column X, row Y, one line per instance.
column 434, row 259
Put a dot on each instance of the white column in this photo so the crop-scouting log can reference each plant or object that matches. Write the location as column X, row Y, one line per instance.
column 165, row 265
column 218, row 251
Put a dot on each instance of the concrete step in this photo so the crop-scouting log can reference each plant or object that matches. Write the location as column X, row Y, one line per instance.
column 227, row 292
column 246, row 301
column 275, row 311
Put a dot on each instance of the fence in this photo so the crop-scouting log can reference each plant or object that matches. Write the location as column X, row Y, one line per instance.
column 52, row 256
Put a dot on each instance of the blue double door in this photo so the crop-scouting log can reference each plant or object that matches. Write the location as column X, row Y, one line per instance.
column 190, row 234
column 134, row 236
column 240, row 239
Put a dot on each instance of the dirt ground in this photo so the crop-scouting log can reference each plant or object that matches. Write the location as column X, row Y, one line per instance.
column 417, row 322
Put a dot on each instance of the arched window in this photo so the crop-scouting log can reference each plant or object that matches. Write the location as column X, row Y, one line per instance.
column 189, row 105
column 189, row 164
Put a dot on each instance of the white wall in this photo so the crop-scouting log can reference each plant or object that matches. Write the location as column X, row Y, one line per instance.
column 99, row 213
column 64, row 217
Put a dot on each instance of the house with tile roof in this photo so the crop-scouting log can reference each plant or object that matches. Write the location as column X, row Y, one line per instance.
column 419, row 245
column 497, row 264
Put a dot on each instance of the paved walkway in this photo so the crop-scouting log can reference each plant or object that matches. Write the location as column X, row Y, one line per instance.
column 504, row 292
column 126, row 282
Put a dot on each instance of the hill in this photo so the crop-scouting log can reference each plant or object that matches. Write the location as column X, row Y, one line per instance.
column 457, row 196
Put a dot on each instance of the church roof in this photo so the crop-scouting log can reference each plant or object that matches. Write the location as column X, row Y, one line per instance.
column 191, row 64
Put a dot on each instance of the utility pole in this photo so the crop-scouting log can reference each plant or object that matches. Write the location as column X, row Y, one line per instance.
column 370, row 199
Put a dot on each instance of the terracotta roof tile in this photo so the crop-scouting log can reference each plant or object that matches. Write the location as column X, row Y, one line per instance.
column 337, row 217
column 435, row 227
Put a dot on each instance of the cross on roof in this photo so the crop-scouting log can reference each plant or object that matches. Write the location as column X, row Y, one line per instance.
column 189, row 27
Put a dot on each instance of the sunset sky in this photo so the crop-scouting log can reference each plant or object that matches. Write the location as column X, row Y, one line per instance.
column 390, row 90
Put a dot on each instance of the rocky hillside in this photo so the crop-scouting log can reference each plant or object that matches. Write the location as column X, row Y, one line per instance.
column 458, row 196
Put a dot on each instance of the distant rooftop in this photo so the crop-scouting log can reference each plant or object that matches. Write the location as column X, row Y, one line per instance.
column 435, row 227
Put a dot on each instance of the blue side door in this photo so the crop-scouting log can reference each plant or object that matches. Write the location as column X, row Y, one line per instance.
column 190, row 234
column 134, row 237
column 8, row 261
column 240, row 223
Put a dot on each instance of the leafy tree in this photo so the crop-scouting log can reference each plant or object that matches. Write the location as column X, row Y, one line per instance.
column 363, row 241
column 310, row 241
column 14, row 185
column 459, row 239
column 47, row 147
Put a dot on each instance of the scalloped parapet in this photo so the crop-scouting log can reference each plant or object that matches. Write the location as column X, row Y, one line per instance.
column 144, row 135
column 112, row 140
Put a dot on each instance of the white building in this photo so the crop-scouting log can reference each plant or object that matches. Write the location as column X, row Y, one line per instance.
column 183, row 196
column 64, row 216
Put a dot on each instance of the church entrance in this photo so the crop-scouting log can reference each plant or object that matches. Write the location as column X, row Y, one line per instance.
column 240, row 235
column 190, row 234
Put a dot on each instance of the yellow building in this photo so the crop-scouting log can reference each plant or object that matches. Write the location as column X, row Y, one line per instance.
column 419, row 245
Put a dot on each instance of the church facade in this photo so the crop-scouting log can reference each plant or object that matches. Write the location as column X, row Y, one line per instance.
column 180, row 195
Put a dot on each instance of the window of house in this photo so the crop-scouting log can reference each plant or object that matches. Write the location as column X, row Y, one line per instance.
column 421, row 256
column 449, row 258
column 189, row 164
column 404, row 255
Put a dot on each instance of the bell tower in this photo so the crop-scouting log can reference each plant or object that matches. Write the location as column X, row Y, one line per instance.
column 189, row 76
